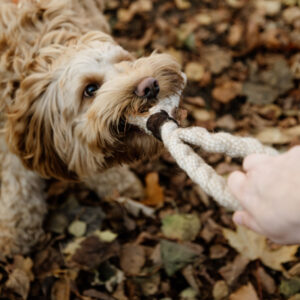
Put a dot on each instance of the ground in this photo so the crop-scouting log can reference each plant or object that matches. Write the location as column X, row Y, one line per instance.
column 243, row 64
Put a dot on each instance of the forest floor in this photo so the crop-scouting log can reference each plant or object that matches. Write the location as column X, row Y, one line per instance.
column 242, row 61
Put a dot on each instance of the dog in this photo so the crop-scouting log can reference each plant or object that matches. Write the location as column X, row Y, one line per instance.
column 67, row 94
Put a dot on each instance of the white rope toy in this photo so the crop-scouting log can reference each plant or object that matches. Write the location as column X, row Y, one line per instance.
column 177, row 141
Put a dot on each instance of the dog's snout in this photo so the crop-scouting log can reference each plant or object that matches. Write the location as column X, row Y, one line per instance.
column 147, row 88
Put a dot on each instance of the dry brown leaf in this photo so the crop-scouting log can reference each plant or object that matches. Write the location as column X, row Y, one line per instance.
column 270, row 7
column 275, row 135
column 295, row 297
column 246, row 292
column 291, row 14
column 194, row 71
column 254, row 246
column 20, row 276
column 182, row 4
column 89, row 252
column 267, row 282
column 218, row 59
column 235, row 34
column 19, row 282
column 226, row 122
column 132, row 258
column 61, row 289
column 203, row 114
column 126, row 15
column 232, row 270
column 217, row 251
column 154, row 192
column 220, row 290
column 227, row 91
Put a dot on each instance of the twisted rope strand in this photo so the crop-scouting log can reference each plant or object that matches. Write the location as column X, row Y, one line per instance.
column 175, row 140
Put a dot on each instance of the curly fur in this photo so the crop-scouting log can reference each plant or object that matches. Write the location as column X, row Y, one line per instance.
column 49, row 51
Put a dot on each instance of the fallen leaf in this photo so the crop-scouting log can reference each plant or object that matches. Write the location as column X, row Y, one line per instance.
column 267, row 282
column 135, row 208
column 77, row 228
column 235, row 34
column 149, row 285
column 218, row 59
column 259, row 93
column 89, row 252
column 184, row 227
column 220, row 290
column 176, row 256
column 57, row 223
column 61, row 289
column 291, row 14
column 182, row 4
column 19, row 282
column 254, row 246
column 190, row 275
column 203, row 115
column 94, row 294
column 295, row 65
column 154, row 192
column 246, row 292
column 227, row 91
column 217, row 251
column 108, row 275
column 270, row 8
column 295, row 297
column 232, row 270
column 289, row 287
column 194, row 71
column 295, row 270
column 203, row 19
column 20, row 276
column 189, row 294
column 132, row 258
column 265, row 86
column 226, row 122
column 126, row 15
column 275, row 135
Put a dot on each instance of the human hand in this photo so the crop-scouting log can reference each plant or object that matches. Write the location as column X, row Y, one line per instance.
column 269, row 192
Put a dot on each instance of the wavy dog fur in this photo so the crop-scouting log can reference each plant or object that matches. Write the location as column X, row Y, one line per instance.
column 50, row 50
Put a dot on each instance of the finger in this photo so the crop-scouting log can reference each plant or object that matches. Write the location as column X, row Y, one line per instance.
column 237, row 183
column 254, row 160
column 245, row 219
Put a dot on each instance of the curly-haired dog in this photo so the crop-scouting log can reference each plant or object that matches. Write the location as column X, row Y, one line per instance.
column 67, row 93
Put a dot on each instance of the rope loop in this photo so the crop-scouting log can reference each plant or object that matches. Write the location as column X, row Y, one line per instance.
column 178, row 140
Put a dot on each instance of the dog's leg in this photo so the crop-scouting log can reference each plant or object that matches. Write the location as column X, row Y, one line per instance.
column 118, row 180
column 22, row 206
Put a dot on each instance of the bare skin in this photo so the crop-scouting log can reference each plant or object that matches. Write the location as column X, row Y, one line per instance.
column 269, row 192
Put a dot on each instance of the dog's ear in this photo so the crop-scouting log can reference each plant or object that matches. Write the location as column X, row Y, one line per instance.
column 29, row 130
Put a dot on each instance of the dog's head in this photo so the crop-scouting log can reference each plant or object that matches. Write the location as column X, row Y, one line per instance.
column 72, row 114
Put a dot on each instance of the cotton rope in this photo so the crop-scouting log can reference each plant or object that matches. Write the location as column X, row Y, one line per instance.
column 179, row 141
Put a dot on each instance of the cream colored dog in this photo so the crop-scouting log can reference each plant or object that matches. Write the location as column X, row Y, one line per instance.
column 67, row 94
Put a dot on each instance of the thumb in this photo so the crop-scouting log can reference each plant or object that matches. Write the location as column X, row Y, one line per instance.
column 245, row 219
column 236, row 183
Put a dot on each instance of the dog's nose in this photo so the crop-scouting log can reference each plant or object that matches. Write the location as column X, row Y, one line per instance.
column 148, row 88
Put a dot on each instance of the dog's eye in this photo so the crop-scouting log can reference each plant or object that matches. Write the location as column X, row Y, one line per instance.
column 90, row 90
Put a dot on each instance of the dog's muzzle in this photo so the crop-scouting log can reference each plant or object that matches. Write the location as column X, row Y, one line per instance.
column 164, row 110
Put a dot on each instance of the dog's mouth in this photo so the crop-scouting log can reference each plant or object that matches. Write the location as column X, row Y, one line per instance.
column 169, row 105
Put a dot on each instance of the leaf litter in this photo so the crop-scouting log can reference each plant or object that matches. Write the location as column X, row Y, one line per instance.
column 243, row 65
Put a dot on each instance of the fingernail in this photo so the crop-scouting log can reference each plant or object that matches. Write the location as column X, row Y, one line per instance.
column 238, row 219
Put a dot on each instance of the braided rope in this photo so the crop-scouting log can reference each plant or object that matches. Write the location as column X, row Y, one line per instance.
column 175, row 139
